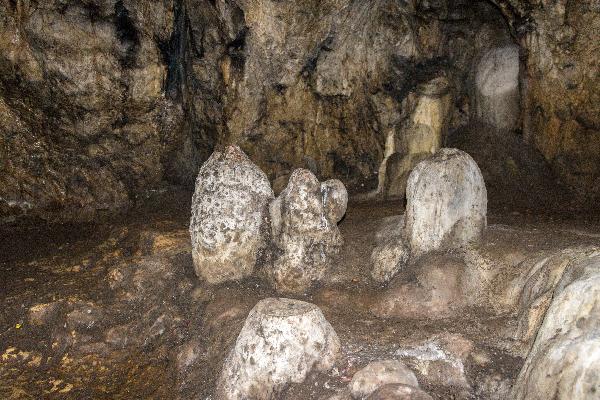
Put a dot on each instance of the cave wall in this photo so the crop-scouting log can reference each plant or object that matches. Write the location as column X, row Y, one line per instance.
column 561, row 40
column 104, row 101
column 83, row 117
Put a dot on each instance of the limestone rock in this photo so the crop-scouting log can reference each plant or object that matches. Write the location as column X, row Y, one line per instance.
column 497, row 97
column 419, row 137
column 335, row 199
column 564, row 362
column 281, row 341
column 228, row 216
column 446, row 202
column 388, row 258
column 304, row 228
column 399, row 392
column 439, row 361
column 380, row 373
column 436, row 293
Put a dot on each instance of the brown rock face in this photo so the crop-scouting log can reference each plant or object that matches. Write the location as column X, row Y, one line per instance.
column 83, row 116
column 560, row 94
column 102, row 102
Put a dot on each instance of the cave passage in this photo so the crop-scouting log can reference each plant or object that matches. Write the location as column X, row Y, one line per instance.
column 331, row 200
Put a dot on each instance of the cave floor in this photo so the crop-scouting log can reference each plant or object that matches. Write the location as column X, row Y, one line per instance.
column 65, row 332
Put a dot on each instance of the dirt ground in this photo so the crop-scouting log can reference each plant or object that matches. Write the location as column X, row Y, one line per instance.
column 112, row 310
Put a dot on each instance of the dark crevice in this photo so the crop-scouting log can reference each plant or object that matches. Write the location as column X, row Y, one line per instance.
column 127, row 35
column 406, row 74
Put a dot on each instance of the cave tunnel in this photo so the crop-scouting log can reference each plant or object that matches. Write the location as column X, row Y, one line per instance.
column 335, row 199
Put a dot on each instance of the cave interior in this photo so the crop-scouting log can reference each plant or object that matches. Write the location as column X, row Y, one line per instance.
column 277, row 199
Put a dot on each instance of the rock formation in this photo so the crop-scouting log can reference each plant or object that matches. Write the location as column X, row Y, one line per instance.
column 497, row 97
column 229, row 210
column 281, row 342
column 565, row 359
column 304, row 228
column 446, row 202
column 378, row 374
column 419, row 137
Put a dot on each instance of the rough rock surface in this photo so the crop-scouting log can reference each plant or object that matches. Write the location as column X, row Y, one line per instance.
column 419, row 137
column 304, row 228
column 399, row 392
column 439, row 361
column 391, row 253
column 378, row 374
column 446, row 202
column 561, row 100
column 564, row 362
column 86, row 125
column 281, row 341
column 497, row 97
column 229, row 213
column 388, row 258
column 437, row 292
column 137, row 94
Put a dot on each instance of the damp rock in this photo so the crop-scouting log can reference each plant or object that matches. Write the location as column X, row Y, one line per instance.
column 281, row 342
column 378, row 374
column 439, row 361
column 446, row 202
column 304, row 229
column 228, row 215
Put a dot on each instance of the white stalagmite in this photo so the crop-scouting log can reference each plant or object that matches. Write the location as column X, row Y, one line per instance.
column 281, row 341
column 228, row 212
column 497, row 88
column 446, row 202
column 304, row 229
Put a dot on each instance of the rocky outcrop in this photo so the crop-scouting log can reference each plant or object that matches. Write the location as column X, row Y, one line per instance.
column 565, row 360
column 446, row 202
column 229, row 224
column 304, row 229
column 560, row 96
column 281, row 342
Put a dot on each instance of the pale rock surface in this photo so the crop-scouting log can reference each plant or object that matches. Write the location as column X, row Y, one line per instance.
column 420, row 136
column 497, row 96
column 391, row 253
column 228, row 216
column 304, row 229
column 281, row 341
column 564, row 362
column 388, row 258
column 531, row 293
column 446, row 202
column 436, row 293
column 399, row 392
column 380, row 373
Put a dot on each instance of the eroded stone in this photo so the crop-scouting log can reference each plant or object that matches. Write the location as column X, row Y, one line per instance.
column 304, row 228
column 228, row 216
column 446, row 202
column 281, row 341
